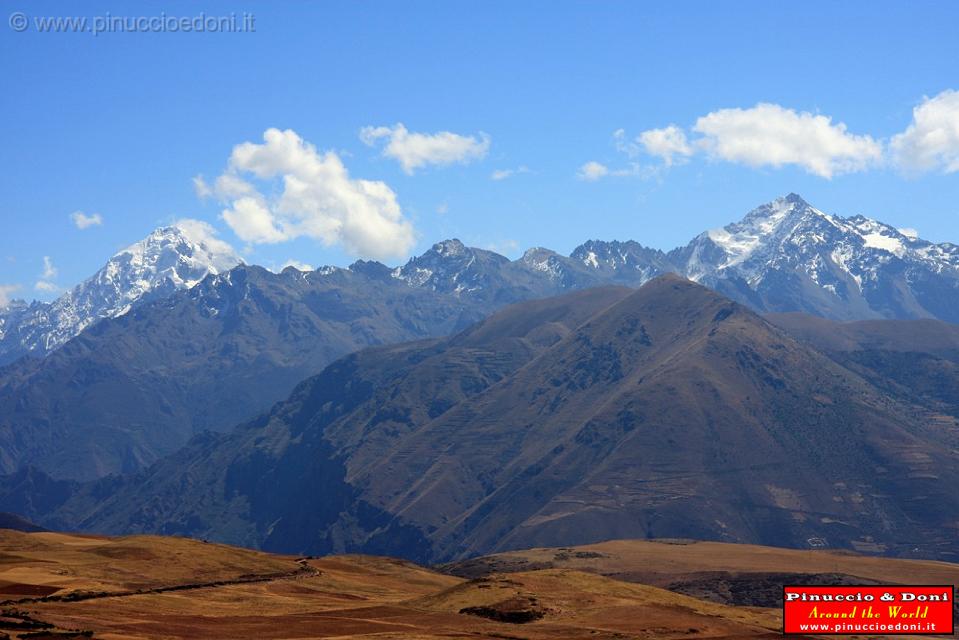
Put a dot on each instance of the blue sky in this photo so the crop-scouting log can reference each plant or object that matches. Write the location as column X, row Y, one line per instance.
column 120, row 125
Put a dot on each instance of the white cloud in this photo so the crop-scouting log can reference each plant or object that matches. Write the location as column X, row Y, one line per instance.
column 201, row 188
column 226, row 186
column 624, row 144
column 668, row 143
column 6, row 291
column 318, row 199
column 415, row 150
column 231, row 186
column 204, row 234
column 931, row 141
column 592, row 171
column 252, row 219
column 296, row 264
column 632, row 148
column 502, row 174
column 49, row 271
column 83, row 221
column 443, row 208
column 771, row 135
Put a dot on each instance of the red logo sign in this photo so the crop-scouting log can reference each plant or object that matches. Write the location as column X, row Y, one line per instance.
column 887, row 610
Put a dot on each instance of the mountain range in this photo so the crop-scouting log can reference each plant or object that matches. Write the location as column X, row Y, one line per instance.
column 669, row 411
column 167, row 340
column 782, row 256
column 133, row 388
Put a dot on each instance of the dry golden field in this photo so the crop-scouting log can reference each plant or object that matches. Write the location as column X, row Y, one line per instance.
column 73, row 586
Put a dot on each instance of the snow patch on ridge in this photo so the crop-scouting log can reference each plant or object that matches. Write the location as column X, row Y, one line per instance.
column 886, row 243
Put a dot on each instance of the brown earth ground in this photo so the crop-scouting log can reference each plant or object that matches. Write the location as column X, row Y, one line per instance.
column 666, row 562
column 71, row 587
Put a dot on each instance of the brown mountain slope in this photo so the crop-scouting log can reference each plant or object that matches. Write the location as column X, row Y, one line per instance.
column 665, row 412
column 921, row 336
column 278, row 483
column 673, row 413
column 915, row 361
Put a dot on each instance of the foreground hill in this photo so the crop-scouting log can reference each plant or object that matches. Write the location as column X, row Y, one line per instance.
column 738, row 574
column 664, row 412
column 144, row 587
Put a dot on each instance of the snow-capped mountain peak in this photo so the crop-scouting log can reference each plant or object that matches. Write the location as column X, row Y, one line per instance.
column 447, row 266
column 790, row 252
column 762, row 226
column 169, row 259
